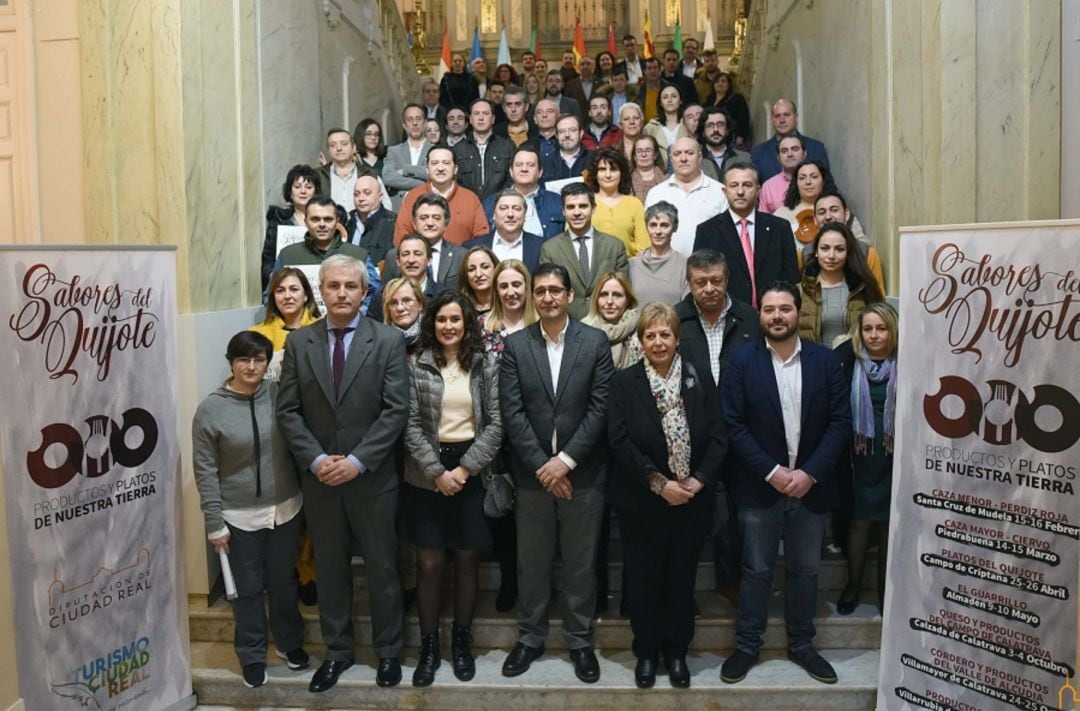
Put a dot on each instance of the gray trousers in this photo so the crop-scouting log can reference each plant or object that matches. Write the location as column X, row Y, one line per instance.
column 265, row 560
column 544, row 521
column 342, row 523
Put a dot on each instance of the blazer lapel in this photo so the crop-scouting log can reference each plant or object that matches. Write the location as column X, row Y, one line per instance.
column 359, row 350
column 571, row 346
column 571, row 258
column 648, row 402
column 768, row 378
column 319, row 359
column 730, row 234
column 444, row 261
column 806, row 355
column 763, row 238
column 540, row 358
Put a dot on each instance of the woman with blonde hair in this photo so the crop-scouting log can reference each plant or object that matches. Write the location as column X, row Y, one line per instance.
column 403, row 302
column 613, row 309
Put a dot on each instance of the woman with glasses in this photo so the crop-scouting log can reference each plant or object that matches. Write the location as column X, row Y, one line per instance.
column 251, row 503
column 370, row 147
column 648, row 170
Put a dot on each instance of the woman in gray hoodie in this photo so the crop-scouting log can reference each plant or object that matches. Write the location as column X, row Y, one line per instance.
column 251, row 502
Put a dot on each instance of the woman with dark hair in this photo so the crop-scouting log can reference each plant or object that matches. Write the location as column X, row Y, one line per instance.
column 476, row 276
column 648, row 166
column 433, row 131
column 812, row 178
column 725, row 96
column 301, row 183
column 869, row 359
column 251, row 503
column 453, row 435
column 507, row 75
column 618, row 212
column 370, row 146
column 605, row 64
column 668, row 125
column 666, row 449
column 290, row 304
column 403, row 302
column 836, row 286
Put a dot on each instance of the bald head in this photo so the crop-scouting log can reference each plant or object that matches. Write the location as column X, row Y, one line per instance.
column 367, row 195
column 686, row 159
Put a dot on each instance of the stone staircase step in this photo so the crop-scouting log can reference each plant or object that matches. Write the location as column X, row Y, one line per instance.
column 775, row 683
column 715, row 628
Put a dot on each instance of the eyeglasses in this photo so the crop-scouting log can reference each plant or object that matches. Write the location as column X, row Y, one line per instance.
column 243, row 362
column 715, row 124
column 542, row 291
column 406, row 303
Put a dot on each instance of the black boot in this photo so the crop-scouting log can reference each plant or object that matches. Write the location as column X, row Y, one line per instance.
column 429, row 660
column 461, row 655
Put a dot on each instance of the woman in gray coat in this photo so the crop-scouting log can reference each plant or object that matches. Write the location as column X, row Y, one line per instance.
column 453, row 434
column 251, row 503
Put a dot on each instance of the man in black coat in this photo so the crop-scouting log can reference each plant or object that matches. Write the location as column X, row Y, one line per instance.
column 483, row 158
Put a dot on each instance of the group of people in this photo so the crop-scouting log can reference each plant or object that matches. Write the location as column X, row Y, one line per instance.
column 504, row 367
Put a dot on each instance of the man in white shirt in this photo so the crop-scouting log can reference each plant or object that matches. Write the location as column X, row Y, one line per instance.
column 508, row 238
column 405, row 166
column 338, row 177
column 429, row 99
column 697, row 196
column 554, row 381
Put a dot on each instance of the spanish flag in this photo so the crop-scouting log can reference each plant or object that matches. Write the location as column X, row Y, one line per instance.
column 444, row 56
column 650, row 51
column 579, row 42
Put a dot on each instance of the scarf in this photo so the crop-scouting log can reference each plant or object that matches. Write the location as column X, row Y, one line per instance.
column 862, row 406
column 668, row 395
column 412, row 333
column 625, row 347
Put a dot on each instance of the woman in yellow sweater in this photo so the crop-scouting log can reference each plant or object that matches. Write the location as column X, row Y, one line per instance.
column 618, row 212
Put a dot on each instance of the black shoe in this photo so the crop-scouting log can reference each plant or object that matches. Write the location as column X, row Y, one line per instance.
column 849, row 600
column 736, row 666
column 389, row 673
column 296, row 659
column 429, row 660
column 678, row 672
column 460, row 655
column 309, row 594
column 645, row 672
column 327, row 675
column 586, row 667
column 520, row 659
column 254, row 675
column 508, row 592
column 815, row 665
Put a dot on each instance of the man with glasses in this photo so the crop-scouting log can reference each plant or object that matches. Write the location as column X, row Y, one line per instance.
column 405, row 166
column 715, row 133
column 554, row 384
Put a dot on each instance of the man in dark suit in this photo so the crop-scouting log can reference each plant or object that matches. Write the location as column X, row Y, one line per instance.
column 745, row 236
column 429, row 101
column 370, row 225
column 412, row 259
column 633, row 65
column 543, row 208
column 554, row 386
column 508, row 238
column 584, row 252
column 431, row 215
column 789, row 418
column 572, row 157
column 711, row 326
column 785, row 122
column 342, row 405
column 672, row 74
column 484, row 172
column 553, row 89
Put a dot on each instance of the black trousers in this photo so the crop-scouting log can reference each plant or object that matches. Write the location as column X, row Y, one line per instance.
column 265, row 559
column 661, row 549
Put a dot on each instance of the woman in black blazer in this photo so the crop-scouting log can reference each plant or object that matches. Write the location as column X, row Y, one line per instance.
column 666, row 448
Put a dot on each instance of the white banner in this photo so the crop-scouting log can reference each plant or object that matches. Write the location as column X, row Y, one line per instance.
column 981, row 608
column 91, row 477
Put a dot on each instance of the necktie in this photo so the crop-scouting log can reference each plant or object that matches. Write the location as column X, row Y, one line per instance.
column 339, row 357
column 748, row 253
column 583, row 259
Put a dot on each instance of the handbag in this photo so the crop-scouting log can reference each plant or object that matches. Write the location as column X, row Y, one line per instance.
column 499, row 495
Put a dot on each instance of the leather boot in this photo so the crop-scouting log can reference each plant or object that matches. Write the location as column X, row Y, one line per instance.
column 461, row 655
column 429, row 660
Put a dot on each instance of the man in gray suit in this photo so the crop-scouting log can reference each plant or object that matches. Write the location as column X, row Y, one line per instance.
column 584, row 252
column 431, row 215
column 553, row 393
column 405, row 166
column 342, row 404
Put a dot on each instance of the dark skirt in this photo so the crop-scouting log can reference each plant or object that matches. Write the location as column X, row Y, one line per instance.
column 447, row 522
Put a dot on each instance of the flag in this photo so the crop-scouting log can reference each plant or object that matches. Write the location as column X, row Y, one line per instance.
column 611, row 40
column 444, row 56
column 504, row 49
column 534, row 43
column 579, row 42
column 476, row 52
column 677, row 41
column 647, row 31
column 709, row 43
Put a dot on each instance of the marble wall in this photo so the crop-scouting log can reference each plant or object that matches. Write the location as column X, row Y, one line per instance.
column 937, row 112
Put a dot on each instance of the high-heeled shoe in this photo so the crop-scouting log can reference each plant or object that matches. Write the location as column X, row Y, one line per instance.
column 849, row 600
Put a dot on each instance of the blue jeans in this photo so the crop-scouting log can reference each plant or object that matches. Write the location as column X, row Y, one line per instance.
column 762, row 529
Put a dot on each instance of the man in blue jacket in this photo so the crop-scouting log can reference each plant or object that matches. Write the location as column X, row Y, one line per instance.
column 543, row 208
column 785, row 122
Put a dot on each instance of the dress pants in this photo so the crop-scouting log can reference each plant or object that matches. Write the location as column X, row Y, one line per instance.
column 342, row 523
column 726, row 538
column 661, row 548
column 802, row 532
column 265, row 560
column 544, row 521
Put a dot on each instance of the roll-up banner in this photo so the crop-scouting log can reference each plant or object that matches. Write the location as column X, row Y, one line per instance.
column 90, row 457
column 981, row 607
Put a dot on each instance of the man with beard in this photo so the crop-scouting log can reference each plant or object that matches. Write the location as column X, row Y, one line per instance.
column 715, row 135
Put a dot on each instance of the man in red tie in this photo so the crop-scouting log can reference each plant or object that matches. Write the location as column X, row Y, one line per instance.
column 759, row 248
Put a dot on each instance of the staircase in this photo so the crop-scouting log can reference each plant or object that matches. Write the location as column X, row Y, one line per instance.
column 850, row 643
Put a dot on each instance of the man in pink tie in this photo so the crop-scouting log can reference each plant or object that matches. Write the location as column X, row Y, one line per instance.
column 759, row 248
